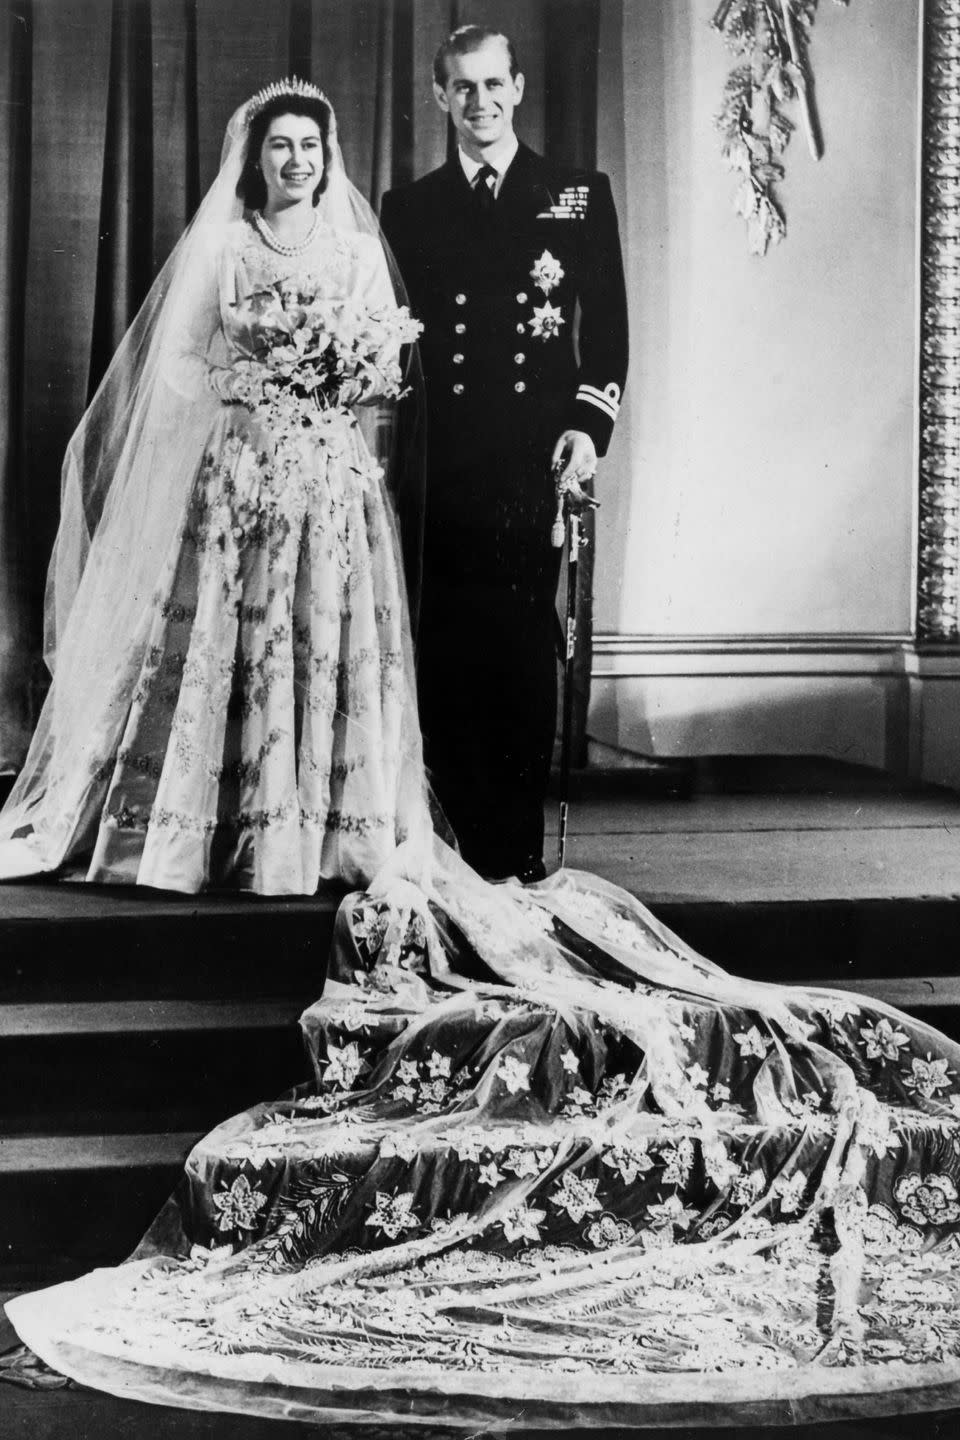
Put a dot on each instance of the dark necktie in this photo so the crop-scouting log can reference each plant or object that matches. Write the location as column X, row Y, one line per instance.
column 483, row 188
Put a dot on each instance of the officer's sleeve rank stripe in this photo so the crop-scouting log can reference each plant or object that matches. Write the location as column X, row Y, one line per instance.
column 606, row 400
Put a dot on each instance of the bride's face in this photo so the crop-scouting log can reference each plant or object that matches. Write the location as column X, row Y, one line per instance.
column 291, row 159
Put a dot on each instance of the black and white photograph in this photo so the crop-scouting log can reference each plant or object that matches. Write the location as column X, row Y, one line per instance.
column 480, row 719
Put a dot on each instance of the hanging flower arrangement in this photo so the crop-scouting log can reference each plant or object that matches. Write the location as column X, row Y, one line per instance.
column 770, row 39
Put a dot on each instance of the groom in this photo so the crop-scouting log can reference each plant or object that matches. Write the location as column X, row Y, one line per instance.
column 513, row 264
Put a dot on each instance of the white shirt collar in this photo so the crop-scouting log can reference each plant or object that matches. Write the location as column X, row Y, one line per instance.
column 499, row 161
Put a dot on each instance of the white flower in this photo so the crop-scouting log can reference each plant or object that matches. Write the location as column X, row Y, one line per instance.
column 399, row 1144
column 521, row 1163
column 608, row 1231
column 577, row 1101
column 354, row 1017
column 239, row 1205
column 523, row 1223
column 490, row 1175
column 667, row 1213
column 469, row 1148
column 631, row 1160
column 547, row 272
column 720, row 1091
column 393, row 1213
column 883, row 1235
column 751, row 1042
column 837, row 1008
column 369, row 925
column 437, row 1064
column 408, row 1071
column 745, row 1191
column 344, row 1064
column 578, row 1197
column 432, row 1095
column 927, row 1076
column 570, row 1062
column 718, row 1164
column 514, row 1073
column 697, row 1076
column 678, row 1162
column 874, row 1129
column 930, row 1200
column 883, row 1042
column 546, row 321
column 448, row 1226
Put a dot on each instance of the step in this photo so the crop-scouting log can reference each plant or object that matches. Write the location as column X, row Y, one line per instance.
column 64, row 942
column 140, row 1017
column 69, row 1203
column 135, row 1065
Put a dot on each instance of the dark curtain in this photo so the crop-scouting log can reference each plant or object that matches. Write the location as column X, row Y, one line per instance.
column 112, row 114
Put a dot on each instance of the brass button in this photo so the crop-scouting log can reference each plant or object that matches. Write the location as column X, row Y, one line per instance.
column 458, row 389
column 521, row 328
column 522, row 297
column 458, row 358
column 461, row 299
column 520, row 387
column 460, row 329
column 519, row 358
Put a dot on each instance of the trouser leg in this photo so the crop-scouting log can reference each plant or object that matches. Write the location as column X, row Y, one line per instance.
column 488, row 700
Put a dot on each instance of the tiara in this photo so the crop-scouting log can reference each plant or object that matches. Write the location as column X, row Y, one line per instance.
column 280, row 88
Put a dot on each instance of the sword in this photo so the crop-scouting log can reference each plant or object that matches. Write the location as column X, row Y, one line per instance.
column 571, row 503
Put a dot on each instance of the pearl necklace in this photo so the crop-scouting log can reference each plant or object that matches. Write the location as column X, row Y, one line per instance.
column 270, row 238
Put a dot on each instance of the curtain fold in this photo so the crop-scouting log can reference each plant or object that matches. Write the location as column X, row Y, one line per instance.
column 14, row 166
column 112, row 114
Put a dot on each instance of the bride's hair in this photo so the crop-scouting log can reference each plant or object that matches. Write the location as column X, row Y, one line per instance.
column 251, row 188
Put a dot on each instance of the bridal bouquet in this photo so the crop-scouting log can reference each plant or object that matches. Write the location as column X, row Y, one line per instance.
column 316, row 355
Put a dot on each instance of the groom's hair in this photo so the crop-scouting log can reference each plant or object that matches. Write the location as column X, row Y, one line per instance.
column 465, row 39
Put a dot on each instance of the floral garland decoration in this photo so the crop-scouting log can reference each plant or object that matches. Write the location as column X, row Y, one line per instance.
column 772, row 37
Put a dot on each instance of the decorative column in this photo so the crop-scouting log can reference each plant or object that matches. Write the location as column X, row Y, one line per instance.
column 938, row 571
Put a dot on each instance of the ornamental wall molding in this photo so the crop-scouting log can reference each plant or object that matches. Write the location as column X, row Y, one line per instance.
column 938, row 539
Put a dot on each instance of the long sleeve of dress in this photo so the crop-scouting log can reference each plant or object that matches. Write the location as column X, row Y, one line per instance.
column 197, row 358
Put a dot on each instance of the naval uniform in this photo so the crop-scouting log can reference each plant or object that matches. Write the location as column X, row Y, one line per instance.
column 523, row 304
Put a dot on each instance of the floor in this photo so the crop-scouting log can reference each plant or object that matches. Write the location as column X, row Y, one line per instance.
column 766, row 832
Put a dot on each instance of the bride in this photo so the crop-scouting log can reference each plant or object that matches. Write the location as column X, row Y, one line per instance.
column 553, row 1163
column 232, row 695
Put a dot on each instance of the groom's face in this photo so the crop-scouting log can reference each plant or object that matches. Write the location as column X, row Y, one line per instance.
column 480, row 94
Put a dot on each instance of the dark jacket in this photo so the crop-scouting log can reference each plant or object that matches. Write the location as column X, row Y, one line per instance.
column 501, row 380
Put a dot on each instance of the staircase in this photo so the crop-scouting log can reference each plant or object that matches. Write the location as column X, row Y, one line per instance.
column 131, row 1021
column 129, row 1024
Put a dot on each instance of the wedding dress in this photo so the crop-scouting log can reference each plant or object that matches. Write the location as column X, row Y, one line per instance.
column 552, row 1164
